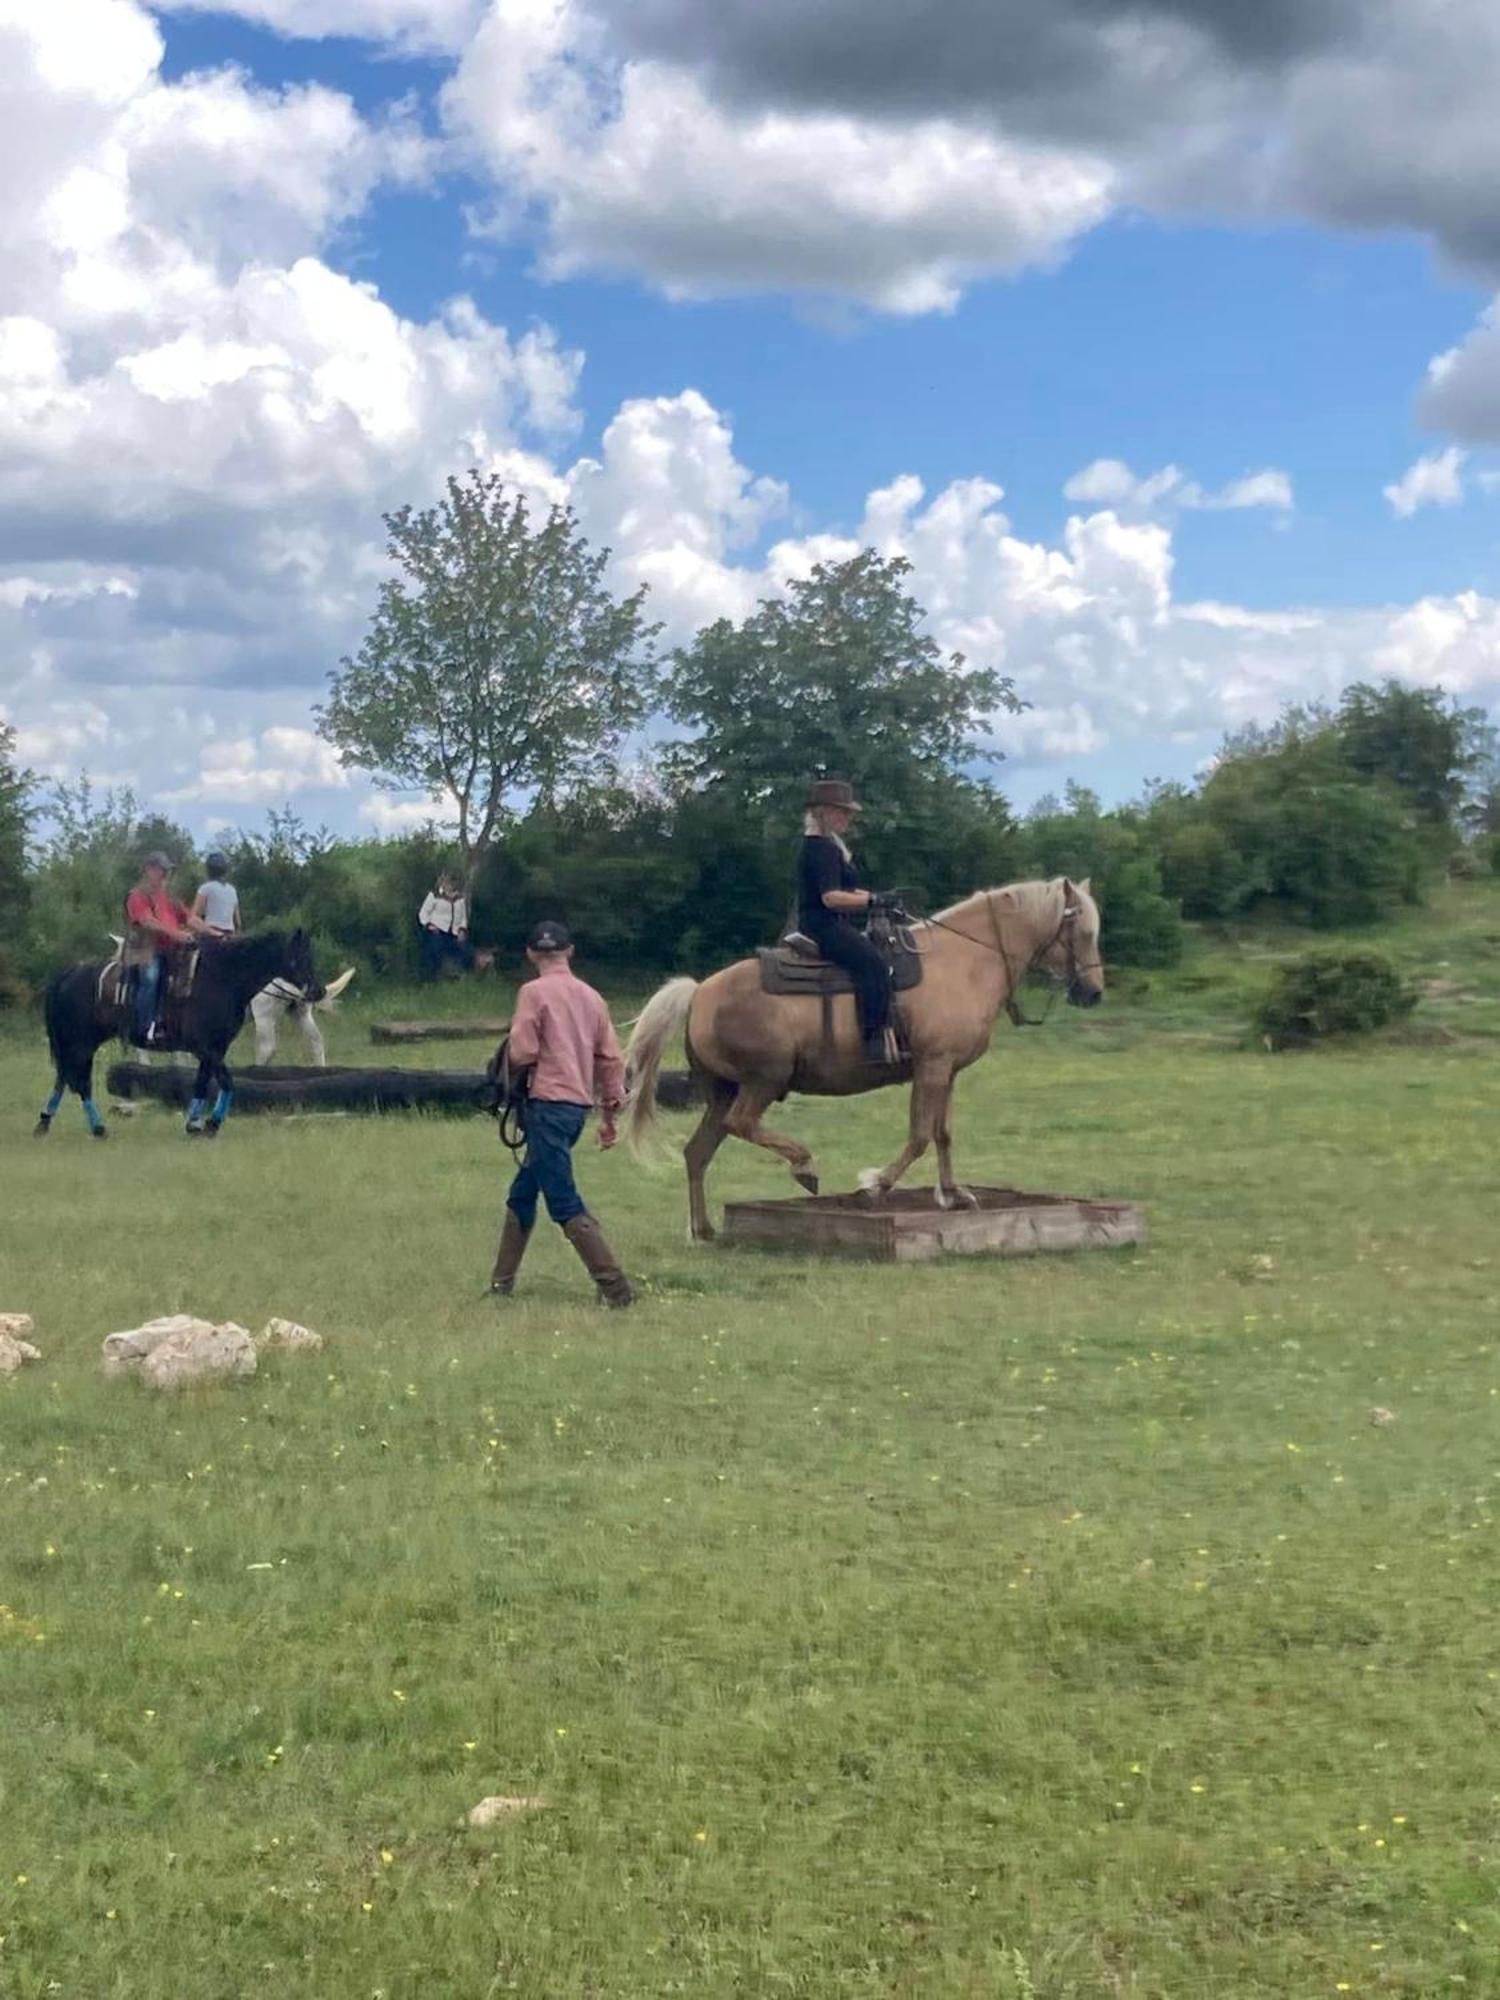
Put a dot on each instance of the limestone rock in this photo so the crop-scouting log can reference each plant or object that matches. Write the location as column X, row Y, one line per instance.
column 20, row 1326
column 15, row 1352
column 287, row 1333
column 500, row 1807
column 1380, row 1416
column 183, row 1358
column 124, row 1352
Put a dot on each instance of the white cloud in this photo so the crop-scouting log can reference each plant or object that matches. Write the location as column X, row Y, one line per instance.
column 634, row 167
column 1111, row 483
column 1434, row 481
column 389, row 816
column 245, row 770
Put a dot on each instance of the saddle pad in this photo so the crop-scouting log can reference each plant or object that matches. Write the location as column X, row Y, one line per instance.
column 783, row 970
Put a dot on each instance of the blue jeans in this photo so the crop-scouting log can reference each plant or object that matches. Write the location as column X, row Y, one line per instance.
column 144, row 998
column 438, row 949
column 552, row 1131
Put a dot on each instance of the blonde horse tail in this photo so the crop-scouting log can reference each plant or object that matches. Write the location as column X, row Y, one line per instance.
column 661, row 1017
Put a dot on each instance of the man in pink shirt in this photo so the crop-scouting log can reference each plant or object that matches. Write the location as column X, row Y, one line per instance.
column 563, row 1036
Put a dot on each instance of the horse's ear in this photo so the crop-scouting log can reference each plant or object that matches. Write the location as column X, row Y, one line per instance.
column 1069, row 892
column 1086, row 884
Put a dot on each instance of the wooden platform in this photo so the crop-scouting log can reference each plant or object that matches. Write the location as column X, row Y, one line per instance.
column 907, row 1227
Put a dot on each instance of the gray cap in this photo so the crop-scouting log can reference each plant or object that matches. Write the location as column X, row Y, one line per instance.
column 156, row 859
column 549, row 936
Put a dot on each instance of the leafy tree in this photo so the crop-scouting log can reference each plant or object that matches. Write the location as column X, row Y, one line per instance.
column 1333, row 846
column 1140, row 925
column 497, row 662
column 15, row 887
column 1417, row 740
column 837, row 678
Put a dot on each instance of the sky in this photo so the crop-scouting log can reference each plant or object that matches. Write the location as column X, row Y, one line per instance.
column 1161, row 338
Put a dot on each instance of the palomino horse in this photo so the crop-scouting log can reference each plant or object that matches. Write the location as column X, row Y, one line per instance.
column 751, row 1048
column 230, row 973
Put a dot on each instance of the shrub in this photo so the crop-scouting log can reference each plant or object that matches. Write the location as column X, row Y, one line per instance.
column 1331, row 993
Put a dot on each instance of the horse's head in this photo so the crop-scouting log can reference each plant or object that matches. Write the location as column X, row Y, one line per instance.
column 1072, row 956
column 297, row 967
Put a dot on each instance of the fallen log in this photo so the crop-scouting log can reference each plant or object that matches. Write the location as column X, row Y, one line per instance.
column 347, row 1087
column 337, row 1088
column 438, row 1031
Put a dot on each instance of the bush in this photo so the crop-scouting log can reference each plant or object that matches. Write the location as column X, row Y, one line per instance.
column 1332, row 993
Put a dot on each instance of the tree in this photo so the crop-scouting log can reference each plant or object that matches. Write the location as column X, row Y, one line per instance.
column 1418, row 740
column 15, row 888
column 496, row 663
column 835, row 678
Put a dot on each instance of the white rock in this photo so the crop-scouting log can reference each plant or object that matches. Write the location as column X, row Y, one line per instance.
column 287, row 1333
column 1381, row 1416
column 14, row 1352
column 126, row 1351
column 184, row 1358
column 20, row 1326
column 499, row 1807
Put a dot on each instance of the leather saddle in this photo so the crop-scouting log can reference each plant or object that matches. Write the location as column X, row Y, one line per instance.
column 114, row 988
column 795, row 966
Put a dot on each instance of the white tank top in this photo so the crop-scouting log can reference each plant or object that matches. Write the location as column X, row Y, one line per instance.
column 221, row 904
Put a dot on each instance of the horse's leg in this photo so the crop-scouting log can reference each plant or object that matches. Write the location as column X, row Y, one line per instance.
column 927, row 1087
column 194, row 1125
column 224, row 1099
column 50, row 1109
column 307, row 1020
column 697, row 1154
column 264, row 1009
column 951, row 1193
column 743, row 1120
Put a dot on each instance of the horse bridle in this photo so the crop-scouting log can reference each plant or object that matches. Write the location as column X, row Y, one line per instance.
column 1067, row 926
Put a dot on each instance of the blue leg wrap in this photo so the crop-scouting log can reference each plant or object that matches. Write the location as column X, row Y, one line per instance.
column 91, row 1112
column 195, row 1111
column 221, row 1106
column 53, row 1102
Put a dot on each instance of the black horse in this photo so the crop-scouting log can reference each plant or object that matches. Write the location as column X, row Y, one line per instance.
column 230, row 973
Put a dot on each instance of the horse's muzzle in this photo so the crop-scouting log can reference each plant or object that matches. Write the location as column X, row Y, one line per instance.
column 1083, row 993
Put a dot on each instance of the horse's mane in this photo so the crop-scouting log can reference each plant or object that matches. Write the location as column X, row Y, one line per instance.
column 1034, row 897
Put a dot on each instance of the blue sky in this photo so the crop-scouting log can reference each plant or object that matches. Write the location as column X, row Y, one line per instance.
column 717, row 303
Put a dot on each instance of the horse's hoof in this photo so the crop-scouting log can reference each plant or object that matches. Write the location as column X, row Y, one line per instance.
column 41, row 1128
column 808, row 1181
column 211, row 1129
column 192, row 1131
column 957, row 1197
column 871, row 1189
column 100, row 1131
column 706, row 1234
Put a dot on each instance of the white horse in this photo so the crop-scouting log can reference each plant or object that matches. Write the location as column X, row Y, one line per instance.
column 274, row 1002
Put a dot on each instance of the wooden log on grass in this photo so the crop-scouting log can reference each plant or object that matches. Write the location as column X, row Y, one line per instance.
column 336, row 1088
column 346, row 1087
column 438, row 1031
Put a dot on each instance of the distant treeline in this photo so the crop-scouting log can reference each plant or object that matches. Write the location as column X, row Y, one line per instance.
column 1330, row 817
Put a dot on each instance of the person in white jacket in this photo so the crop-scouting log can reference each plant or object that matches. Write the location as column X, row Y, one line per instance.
column 444, row 924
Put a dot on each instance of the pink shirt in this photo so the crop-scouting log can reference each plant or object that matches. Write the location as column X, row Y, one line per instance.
column 562, row 1026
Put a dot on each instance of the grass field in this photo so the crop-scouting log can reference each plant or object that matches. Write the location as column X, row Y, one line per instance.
column 1051, row 1628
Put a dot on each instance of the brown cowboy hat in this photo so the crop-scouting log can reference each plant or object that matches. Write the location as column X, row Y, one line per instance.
column 833, row 792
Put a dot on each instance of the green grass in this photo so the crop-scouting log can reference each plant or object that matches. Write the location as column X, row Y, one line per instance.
column 1054, row 1628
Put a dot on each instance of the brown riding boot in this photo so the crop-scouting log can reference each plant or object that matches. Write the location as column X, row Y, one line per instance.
column 513, row 1241
column 587, row 1238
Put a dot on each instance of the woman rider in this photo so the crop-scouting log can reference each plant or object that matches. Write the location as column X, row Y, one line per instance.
column 829, row 897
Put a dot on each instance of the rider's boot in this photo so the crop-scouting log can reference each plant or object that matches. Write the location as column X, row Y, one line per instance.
column 513, row 1241
column 588, row 1239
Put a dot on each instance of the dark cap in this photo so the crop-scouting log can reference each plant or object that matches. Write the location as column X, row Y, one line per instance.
column 834, row 792
column 549, row 936
column 156, row 859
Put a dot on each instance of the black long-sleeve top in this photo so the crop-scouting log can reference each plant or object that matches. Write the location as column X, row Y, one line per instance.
column 821, row 866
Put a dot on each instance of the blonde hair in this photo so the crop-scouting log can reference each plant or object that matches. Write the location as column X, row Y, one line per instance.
column 815, row 821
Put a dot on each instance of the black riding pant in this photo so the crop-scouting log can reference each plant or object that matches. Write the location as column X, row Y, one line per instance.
column 869, row 970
